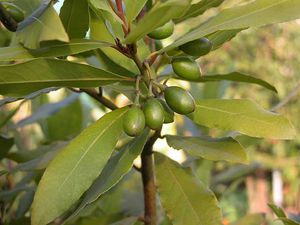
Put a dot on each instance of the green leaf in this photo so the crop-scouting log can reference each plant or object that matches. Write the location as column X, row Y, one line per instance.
column 25, row 203
column 118, row 165
column 100, row 220
column 74, row 15
column 113, row 23
column 28, row 155
column 47, row 110
column 220, row 37
column 74, row 169
column 50, row 50
column 133, row 8
column 44, row 73
column 104, row 6
column 277, row 210
column 226, row 149
column 22, row 221
column 6, row 118
column 28, row 6
column 235, row 173
column 244, row 116
column 199, row 8
column 69, row 119
column 43, row 25
column 99, row 31
column 251, row 219
column 235, row 76
column 6, row 144
column 160, row 14
column 39, row 163
column 127, row 221
column 287, row 221
column 107, row 63
column 9, row 195
column 185, row 199
column 27, row 97
column 254, row 14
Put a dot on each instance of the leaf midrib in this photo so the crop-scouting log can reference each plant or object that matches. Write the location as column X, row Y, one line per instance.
column 64, row 80
column 185, row 196
column 243, row 16
column 234, row 114
column 37, row 51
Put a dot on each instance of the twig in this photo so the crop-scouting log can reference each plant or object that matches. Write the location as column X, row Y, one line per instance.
column 120, row 13
column 100, row 98
column 97, row 96
column 7, row 19
column 287, row 99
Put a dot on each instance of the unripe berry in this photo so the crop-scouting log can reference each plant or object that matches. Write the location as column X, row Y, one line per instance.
column 179, row 100
column 163, row 31
column 134, row 121
column 154, row 114
column 197, row 47
column 186, row 68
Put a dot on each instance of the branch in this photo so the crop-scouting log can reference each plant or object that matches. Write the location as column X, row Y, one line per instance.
column 98, row 97
column 149, row 181
column 7, row 19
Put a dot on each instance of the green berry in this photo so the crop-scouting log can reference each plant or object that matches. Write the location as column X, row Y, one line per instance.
column 16, row 13
column 154, row 114
column 179, row 100
column 134, row 121
column 186, row 68
column 197, row 47
column 168, row 113
column 163, row 31
column 158, row 45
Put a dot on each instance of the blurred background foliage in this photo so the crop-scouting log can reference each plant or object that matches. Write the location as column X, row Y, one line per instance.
column 39, row 128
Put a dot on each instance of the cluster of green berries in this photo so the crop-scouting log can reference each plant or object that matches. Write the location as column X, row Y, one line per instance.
column 183, row 58
column 156, row 111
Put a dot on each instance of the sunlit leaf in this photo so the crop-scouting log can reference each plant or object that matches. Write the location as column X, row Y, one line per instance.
column 220, row 37
column 44, row 73
column 118, row 165
column 18, row 52
column 235, row 76
column 199, row 8
column 43, row 25
column 182, row 195
column 160, row 14
column 226, row 149
column 244, row 116
column 133, row 8
column 74, row 169
column 254, row 14
column 75, row 17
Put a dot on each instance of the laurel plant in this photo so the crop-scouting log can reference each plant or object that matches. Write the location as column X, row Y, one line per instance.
column 102, row 47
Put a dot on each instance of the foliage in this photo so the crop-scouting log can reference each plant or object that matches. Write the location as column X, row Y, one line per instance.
column 102, row 50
